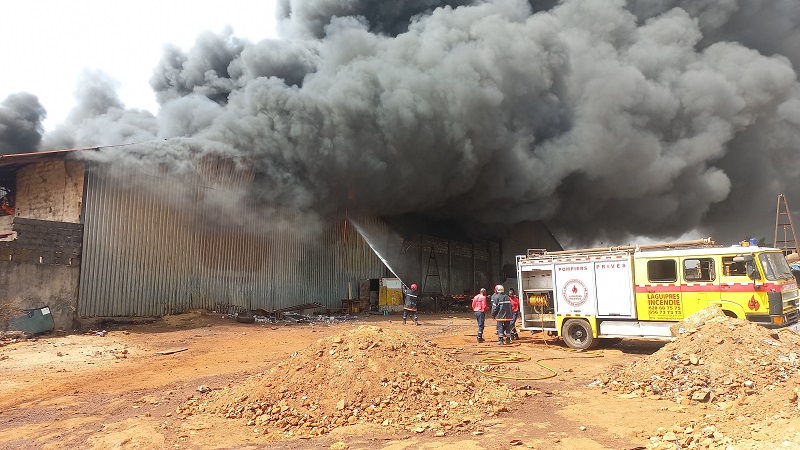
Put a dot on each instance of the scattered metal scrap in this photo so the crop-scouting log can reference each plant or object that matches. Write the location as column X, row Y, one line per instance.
column 289, row 314
column 228, row 310
column 302, row 318
column 313, row 305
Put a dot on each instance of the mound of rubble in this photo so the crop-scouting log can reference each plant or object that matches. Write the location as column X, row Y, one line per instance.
column 365, row 375
column 722, row 360
column 744, row 377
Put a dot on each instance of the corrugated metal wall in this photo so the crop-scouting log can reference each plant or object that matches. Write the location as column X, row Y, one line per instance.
column 148, row 251
column 155, row 245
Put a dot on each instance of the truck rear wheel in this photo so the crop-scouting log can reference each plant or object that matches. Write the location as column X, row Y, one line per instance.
column 577, row 334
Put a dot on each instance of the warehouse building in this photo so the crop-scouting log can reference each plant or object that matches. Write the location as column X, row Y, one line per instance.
column 86, row 240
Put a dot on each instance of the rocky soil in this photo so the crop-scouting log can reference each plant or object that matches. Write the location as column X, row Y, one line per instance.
column 745, row 376
column 368, row 375
column 201, row 380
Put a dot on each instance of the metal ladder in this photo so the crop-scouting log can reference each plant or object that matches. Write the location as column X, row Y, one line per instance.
column 784, row 226
column 432, row 271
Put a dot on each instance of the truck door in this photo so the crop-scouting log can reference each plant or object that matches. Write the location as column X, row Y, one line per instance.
column 700, row 286
column 658, row 295
column 614, row 279
column 575, row 292
column 736, row 287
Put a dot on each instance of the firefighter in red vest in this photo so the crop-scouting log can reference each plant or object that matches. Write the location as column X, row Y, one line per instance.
column 515, row 311
column 479, row 308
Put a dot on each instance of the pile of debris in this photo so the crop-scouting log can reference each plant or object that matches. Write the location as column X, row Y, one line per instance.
column 740, row 431
column 12, row 337
column 721, row 360
column 292, row 314
column 367, row 375
column 743, row 376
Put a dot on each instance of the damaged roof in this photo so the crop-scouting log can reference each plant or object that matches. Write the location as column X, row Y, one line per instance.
column 21, row 159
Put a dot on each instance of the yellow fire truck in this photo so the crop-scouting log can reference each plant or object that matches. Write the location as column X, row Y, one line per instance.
column 640, row 291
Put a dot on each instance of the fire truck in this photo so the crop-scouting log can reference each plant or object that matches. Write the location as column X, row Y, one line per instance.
column 640, row 291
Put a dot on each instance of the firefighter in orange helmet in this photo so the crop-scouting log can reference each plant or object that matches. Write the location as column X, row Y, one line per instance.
column 410, row 297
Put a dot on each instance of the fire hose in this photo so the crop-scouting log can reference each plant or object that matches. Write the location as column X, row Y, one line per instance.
column 495, row 358
column 500, row 357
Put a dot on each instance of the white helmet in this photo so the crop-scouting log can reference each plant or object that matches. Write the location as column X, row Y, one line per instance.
column 499, row 288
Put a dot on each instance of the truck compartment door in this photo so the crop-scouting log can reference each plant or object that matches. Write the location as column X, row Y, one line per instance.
column 575, row 289
column 614, row 279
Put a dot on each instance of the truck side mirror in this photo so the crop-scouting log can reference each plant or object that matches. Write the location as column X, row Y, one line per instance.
column 752, row 271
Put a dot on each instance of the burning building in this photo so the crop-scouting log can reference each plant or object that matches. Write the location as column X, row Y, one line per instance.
column 90, row 241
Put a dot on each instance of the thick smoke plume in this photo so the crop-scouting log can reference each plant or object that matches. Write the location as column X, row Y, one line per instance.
column 100, row 118
column 606, row 119
column 21, row 117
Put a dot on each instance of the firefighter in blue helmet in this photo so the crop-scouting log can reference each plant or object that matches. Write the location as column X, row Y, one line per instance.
column 410, row 297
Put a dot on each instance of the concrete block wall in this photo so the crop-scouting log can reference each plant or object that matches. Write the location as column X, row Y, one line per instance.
column 42, row 268
column 44, row 242
column 50, row 190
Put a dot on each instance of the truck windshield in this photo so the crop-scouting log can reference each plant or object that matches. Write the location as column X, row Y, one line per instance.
column 775, row 266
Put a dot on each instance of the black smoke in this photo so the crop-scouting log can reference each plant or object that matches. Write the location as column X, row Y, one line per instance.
column 310, row 18
column 606, row 119
column 21, row 117
column 768, row 26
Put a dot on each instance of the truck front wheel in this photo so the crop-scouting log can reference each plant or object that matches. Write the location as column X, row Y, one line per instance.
column 577, row 334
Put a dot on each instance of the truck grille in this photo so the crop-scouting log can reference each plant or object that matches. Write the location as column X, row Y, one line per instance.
column 790, row 306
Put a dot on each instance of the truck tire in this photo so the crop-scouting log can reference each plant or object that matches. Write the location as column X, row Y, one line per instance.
column 577, row 334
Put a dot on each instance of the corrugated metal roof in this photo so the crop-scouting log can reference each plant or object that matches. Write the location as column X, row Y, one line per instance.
column 21, row 159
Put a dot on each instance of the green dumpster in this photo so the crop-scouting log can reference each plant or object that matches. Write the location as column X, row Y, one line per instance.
column 33, row 321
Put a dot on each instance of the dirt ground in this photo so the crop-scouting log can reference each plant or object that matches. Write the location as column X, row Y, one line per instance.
column 142, row 387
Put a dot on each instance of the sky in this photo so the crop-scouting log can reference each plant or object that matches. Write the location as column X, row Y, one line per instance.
column 607, row 119
column 48, row 43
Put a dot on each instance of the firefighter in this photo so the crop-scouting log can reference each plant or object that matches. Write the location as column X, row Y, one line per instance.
column 479, row 307
column 410, row 303
column 501, row 312
column 515, row 313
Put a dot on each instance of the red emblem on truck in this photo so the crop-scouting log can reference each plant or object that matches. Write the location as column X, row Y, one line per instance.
column 753, row 304
column 575, row 292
